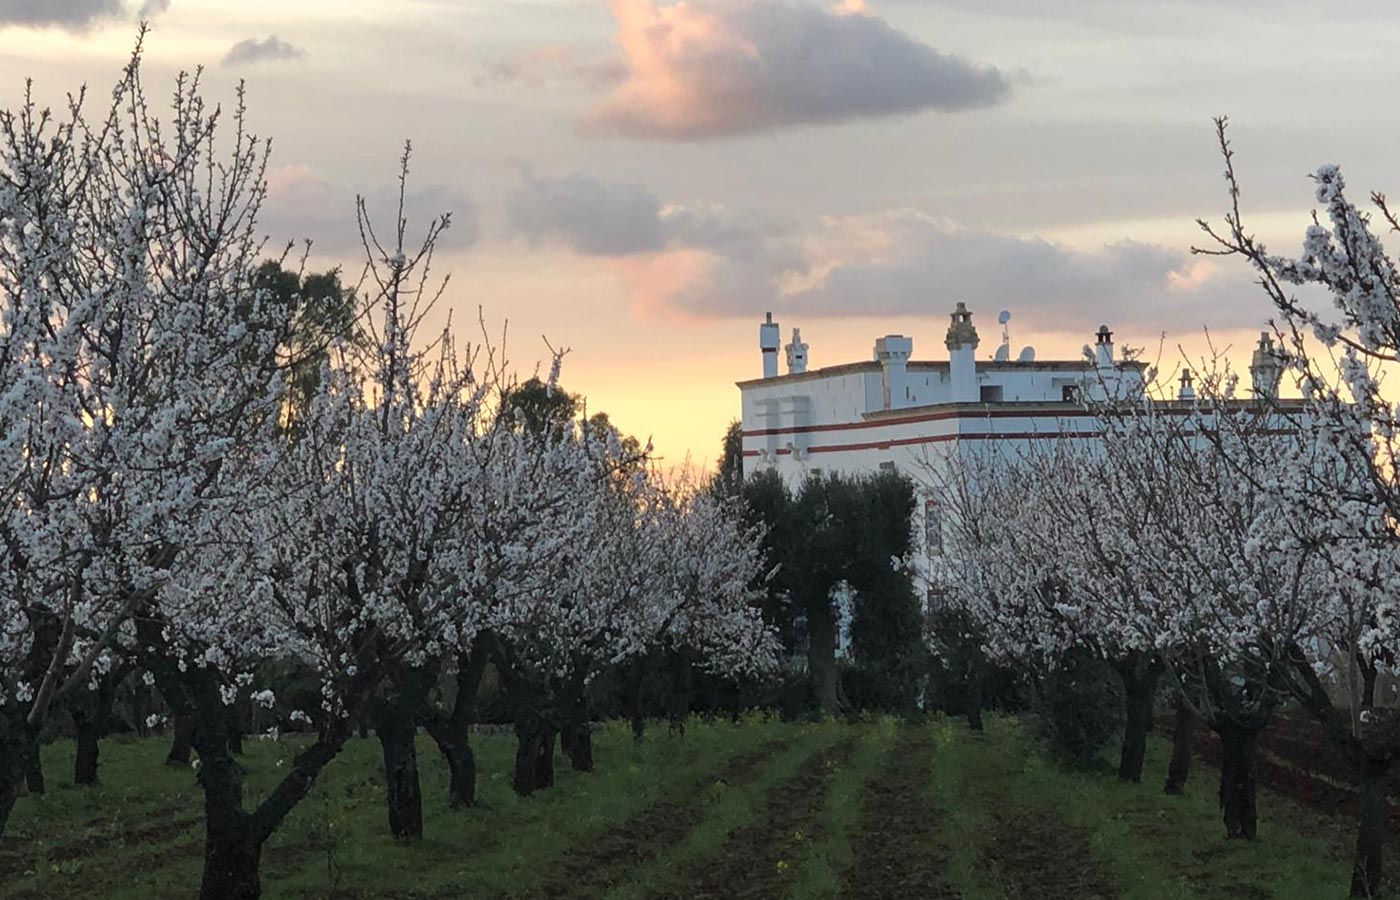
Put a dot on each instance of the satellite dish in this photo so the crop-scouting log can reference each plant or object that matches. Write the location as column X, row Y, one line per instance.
column 1027, row 354
column 1004, row 317
column 1003, row 353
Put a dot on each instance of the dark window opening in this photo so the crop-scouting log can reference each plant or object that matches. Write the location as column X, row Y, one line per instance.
column 991, row 393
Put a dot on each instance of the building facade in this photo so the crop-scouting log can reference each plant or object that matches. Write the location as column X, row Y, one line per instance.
column 896, row 412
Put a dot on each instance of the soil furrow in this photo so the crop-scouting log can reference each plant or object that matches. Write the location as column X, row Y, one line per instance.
column 899, row 852
column 606, row 860
column 1037, row 857
column 757, row 861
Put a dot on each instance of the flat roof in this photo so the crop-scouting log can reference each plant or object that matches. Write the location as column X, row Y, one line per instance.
column 1042, row 365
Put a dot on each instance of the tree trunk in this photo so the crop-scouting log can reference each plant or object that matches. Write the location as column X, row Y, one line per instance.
column 182, row 742
column 235, row 731
column 88, row 733
column 1238, row 744
column 974, row 698
column 577, row 741
column 1139, row 673
column 396, row 732
column 1370, row 836
column 544, row 761
column 11, row 765
column 534, row 741
column 232, row 853
column 33, row 768
column 9, row 793
column 1183, row 733
column 821, row 656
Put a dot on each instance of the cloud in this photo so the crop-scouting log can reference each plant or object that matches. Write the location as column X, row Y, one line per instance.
column 594, row 217
column 152, row 8
column 269, row 49
column 553, row 65
column 703, row 260
column 70, row 15
column 703, row 69
column 302, row 205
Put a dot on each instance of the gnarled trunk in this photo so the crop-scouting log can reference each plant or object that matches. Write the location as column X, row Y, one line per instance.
column 13, row 736
column 974, row 698
column 576, row 738
column 1238, row 778
column 534, row 754
column 182, row 743
column 33, row 767
column 87, row 734
column 232, row 851
column 821, row 656
column 404, row 797
column 1183, row 734
column 1370, row 836
column 1140, row 673
column 452, row 733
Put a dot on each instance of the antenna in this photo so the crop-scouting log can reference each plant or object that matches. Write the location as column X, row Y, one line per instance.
column 1004, row 351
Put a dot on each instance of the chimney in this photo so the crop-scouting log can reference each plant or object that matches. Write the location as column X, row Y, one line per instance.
column 1187, row 391
column 1266, row 368
column 768, row 340
column 893, row 352
column 1103, row 349
column 962, row 364
column 796, row 354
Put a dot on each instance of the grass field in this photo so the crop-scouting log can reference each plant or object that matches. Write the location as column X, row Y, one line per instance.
column 755, row 810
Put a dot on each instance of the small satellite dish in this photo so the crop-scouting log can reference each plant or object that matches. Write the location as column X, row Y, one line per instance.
column 1003, row 353
column 1004, row 317
column 1027, row 354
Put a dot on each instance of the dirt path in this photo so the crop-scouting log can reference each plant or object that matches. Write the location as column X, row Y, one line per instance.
column 757, row 861
column 898, row 849
column 600, row 863
column 1036, row 857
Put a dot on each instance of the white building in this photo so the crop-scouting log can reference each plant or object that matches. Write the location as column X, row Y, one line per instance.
column 889, row 411
column 894, row 411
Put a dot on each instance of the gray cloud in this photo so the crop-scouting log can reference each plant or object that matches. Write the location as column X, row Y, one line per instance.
column 152, row 8
column 72, row 15
column 707, row 260
column 594, row 217
column 269, row 49
column 301, row 205
column 553, row 65
column 589, row 216
column 714, row 68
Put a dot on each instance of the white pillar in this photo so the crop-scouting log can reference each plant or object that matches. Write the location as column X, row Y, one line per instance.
column 893, row 352
column 768, row 340
column 962, row 362
column 796, row 354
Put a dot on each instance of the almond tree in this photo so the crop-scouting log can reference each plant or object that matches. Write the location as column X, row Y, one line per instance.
column 1339, row 328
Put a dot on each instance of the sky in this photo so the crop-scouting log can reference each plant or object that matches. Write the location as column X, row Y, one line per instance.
column 639, row 181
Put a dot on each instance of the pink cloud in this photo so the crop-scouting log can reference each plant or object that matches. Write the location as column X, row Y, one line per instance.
column 711, row 68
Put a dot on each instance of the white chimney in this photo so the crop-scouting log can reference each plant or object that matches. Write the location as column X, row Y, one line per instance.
column 796, row 354
column 893, row 352
column 768, row 339
column 1266, row 368
column 1187, row 391
column 1103, row 349
column 962, row 363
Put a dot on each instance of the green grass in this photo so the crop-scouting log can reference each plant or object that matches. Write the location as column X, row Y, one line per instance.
column 139, row 835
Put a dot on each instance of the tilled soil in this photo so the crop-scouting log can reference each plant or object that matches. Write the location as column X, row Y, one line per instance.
column 1036, row 857
column 757, row 861
column 899, row 851
column 602, row 862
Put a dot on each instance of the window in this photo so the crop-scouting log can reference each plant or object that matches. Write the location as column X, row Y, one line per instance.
column 814, row 473
column 887, row 466
column 1069, row 393
column 933, row 528
column 991, row 393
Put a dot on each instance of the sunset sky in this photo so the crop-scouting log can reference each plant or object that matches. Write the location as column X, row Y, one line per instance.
column 640, row 181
